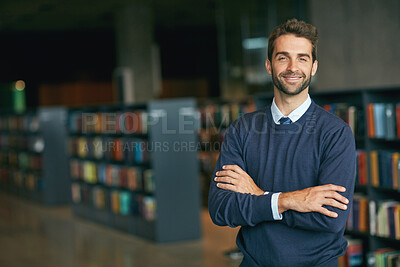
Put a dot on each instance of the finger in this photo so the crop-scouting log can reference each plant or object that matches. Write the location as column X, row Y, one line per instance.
column 227, row 187
column 234, row 168
column 333, row 187
column 327, row 212
column 227, row 173
column 337, row 196
column 333, row 203
column 225, row 179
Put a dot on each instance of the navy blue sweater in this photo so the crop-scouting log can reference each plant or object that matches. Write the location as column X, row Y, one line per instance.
column 317, row 149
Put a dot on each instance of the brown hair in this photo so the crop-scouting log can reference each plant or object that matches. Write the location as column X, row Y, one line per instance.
column 299, row 29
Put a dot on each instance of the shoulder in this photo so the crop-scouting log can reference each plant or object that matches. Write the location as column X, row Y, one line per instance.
column 328, row 120
column 331, row 126
column 247, row 121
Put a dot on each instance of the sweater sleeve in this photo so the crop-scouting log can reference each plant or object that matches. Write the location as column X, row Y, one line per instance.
column 337, row 167
column 228, row 208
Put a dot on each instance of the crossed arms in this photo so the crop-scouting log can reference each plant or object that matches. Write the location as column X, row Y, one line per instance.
column 235, row 199
column 311, row 199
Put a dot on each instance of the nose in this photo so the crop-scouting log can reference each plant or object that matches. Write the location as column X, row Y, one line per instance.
column 292, row 66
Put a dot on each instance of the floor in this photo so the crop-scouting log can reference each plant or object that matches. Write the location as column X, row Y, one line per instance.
column 37, row 236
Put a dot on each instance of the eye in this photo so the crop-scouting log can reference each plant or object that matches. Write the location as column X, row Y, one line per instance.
column 281, row 58
column 303, row 59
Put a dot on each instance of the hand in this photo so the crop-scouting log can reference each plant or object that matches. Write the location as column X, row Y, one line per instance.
column 233, row 178
column 312, row 199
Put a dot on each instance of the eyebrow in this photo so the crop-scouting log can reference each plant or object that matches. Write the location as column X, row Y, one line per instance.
column 287, row 54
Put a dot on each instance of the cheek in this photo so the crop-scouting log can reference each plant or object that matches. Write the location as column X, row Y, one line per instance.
column 278, row 69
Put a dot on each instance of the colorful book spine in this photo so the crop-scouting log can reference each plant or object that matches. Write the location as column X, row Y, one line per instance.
column 359, row 214
column 398, row 120
column 354, row 254
column 380, row 120
column 390, row 114
column 349, row 114
column 383, row 120
column 386, row 219
column 112, row 122
column 370, row 121
column 362, row 168
column 385, row 168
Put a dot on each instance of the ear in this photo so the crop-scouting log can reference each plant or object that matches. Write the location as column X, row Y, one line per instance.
column 268, row 66
column 314, row 67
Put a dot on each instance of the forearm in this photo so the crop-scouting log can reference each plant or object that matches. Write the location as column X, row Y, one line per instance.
column 234, row 209
column 320, row 208
column 314, row 221
column 328, row 210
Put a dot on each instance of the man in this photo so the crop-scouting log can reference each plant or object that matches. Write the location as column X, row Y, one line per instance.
column 286, row 173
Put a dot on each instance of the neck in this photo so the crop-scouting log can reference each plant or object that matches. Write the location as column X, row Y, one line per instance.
column 288, row 103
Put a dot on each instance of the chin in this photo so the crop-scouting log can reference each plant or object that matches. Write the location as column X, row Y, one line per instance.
column 291, row 92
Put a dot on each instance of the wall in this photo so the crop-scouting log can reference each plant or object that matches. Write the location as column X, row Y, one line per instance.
column 359, row 43
column 77, row 94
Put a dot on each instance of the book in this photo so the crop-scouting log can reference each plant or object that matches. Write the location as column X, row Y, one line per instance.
column 374, row 168
column 385, row 219
column 131, row 176
column 398, row 119
column 362, row 168
column 352, row 119
column 370, row 121
column 148, row 181
column 390, row 121
column 353, row 255
column 364, row 215
column 115, row 202
column 125, row 202
column 97, row 148
column 372, row 217
column 75, row 192
column 395, row 170
column 396, row 215
column 380, row 120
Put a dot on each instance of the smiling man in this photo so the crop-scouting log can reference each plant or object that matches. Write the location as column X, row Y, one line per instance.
column 286, row 173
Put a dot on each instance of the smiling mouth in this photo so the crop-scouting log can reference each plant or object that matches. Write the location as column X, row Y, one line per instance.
column 292, row 79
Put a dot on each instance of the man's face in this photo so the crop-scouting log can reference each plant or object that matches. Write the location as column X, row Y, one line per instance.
column 292, row 66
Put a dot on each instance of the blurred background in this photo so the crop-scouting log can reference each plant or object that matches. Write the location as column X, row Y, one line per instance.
column 62, row 58
column 179, row 48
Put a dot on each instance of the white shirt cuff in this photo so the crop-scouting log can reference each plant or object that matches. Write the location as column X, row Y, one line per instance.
column 274, row 206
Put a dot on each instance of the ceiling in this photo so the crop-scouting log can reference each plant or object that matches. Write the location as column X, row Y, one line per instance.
column 60, row 15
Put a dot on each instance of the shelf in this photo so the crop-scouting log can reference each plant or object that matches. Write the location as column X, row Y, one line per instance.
column 397, row 140
column 174, row 202
column 113, row 187
column 357, row 233
column 42, row 147
column 380, row 196
column 361, row 188
column 114, row 162
column 113, row 135
column 388, row 239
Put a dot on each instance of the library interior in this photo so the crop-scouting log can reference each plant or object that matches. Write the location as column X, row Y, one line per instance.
column 114, row 113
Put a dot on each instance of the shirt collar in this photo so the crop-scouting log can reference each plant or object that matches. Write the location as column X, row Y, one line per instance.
column 294, row 115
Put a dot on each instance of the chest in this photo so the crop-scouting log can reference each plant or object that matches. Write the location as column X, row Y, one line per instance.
column 282, row 162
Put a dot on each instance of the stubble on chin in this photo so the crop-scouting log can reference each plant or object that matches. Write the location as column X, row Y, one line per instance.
column 282, row 88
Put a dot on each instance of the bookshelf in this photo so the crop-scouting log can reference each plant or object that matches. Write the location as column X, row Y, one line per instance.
column 374, row 116
column 215, row 117
column 33, row 158
column 135, row 168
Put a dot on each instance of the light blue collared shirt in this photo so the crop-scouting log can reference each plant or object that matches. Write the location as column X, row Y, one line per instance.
column 293, row 116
